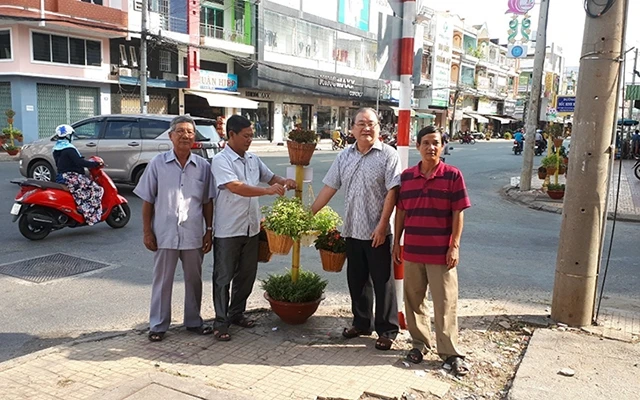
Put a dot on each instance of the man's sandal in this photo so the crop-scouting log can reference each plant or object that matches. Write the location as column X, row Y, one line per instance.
column 155, row 336
column 221, row 335
column 244, row 322
column 354, row 332
column 201, row 330
column 459, row 366
column 384, row 343
column 415, row 356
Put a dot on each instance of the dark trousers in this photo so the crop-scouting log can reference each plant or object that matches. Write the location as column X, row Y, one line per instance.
column 234, row 260
column 369, row 271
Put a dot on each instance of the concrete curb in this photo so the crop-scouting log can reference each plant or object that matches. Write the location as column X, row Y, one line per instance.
column 4, row 157
column 528, row 199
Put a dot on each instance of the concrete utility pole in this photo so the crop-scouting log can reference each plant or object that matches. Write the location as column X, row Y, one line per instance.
column 584, row 202
column 534, row 97
column 143, row 58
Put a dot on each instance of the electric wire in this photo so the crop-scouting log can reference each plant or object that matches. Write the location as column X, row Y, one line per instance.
column 605, row 7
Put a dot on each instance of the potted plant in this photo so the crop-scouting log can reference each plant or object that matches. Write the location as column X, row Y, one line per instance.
column 11, row 149
column 264, row 253
column 294, row 302
column 284, row 221
column 333, row 250
column 301, row 144
column 324, row 220
column 542, row 172
column 555, row 191
column 550, row 162
column 10, row 114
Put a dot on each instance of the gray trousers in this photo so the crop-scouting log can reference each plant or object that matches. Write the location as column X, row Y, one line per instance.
column 234, row 260
column 166, row 261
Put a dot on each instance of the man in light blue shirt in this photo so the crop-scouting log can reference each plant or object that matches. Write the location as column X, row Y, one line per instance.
column 237, row 174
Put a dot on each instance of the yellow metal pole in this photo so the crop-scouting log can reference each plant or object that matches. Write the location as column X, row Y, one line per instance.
column 557, row 164
column 295, row 263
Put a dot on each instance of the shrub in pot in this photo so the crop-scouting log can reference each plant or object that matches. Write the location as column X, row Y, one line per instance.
column 550, row 163
column 301, row 144
column 325, row 220
column 555, row 191
column 294, row 302
column 284, row 221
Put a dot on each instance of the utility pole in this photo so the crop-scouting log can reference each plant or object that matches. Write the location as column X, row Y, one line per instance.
column 576, row 275
column 143, row 58
column 534, row 97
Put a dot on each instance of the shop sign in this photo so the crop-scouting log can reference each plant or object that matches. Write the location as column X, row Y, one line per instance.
column 441, row 71
column 509, row 107
column 218, row 81
column 258, row 95
column 566, row 104
column 487, row 106
column 484, row 83
column 340, row 83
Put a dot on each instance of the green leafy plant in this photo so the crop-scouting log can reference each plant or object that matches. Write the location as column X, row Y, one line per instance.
column 550, row 161
column 309, row 287
column 331, row 241
column 10, row 148
column 303, row 136
column 10, row 113
column 508, row 136
column 325, row 220
column 556, row 186
column 287, row 216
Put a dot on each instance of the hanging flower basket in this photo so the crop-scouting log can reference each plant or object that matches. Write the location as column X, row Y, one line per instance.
column 279, row 244
column 557, row 142
column 307, row 239
column 264, row 253
column 300, row 153
column 332, row 262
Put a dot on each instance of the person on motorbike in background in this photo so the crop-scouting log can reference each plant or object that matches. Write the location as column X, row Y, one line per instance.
column 336, row 136
column 519, row 137
column 540, row 140
column 70, row 166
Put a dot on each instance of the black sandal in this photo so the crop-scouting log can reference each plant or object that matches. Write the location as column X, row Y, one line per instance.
column 459, row 367
column 201, row 330
column 384, row 343
column 155, row 336
column 221, row 335
column 354, row 332
column 244, row 322
column 415, row 356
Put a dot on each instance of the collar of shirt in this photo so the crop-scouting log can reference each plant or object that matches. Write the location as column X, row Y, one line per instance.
column 417, row 171
column 376, row 145
column 170, row 156
column 235, row 156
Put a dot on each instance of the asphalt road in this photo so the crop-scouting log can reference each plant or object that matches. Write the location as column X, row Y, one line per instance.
column 508, row 251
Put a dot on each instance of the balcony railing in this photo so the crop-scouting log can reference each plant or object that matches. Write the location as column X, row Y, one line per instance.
column 229, row 35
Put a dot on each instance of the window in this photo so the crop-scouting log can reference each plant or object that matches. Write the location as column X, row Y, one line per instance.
column 212, row 21
column 66, row 50
column 5, row 45
column 122, row 130
column 165, row 61
column 123, row 55
column 98, row 2
column 88, row 130
column 151, row 128
column 134, row 56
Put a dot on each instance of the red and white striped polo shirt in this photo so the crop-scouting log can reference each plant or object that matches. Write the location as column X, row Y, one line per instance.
column 429, row 204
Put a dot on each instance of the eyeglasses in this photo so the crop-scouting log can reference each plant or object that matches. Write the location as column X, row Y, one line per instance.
column 370, row 125
column 184, row 133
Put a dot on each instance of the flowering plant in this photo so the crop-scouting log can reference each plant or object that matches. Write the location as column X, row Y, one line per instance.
column 325, row 220
column 331, row 241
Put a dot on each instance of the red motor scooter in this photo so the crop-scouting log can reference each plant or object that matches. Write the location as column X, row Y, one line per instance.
column 42, row 207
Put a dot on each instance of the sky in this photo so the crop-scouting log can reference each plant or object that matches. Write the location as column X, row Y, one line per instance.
column 565, row 25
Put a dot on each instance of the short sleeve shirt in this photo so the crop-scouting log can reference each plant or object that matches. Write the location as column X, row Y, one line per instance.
column 235, row 215
column 366, row 178
column 177, row 195
column 429, row 204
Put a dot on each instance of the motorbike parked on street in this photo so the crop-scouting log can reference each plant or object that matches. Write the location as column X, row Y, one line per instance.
column 636, row 168
column 41, row 207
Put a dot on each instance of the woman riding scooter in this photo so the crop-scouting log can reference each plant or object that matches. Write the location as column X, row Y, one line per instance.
column 70, row 165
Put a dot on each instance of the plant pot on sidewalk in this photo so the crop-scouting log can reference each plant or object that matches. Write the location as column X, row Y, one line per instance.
column 555, row 194
column 293, row 313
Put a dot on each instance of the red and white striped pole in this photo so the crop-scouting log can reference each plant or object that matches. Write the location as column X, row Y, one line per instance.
column 404, row 123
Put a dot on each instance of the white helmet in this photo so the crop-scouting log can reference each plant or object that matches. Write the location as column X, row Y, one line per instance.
column 64, row 131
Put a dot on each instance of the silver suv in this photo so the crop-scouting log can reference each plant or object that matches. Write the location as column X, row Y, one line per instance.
column 126, row 143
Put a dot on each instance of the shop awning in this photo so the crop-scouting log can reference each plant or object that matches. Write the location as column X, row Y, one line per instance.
column 477, row 117
column 397, row 109
column 224, row 100
column 425, row 115
column 502, row 120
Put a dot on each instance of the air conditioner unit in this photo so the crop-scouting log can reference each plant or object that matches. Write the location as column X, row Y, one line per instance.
column 134, row 73
column 124, row 72
column 113, row 69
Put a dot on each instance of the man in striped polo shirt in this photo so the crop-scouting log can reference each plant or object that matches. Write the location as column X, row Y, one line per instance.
column 430, row 213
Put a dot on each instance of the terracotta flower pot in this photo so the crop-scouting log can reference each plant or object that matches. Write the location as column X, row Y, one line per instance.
column 13, row 152
column 293, row 313
column 542, row 175
column 557, row 142
column 300, row 153
column 555, row 194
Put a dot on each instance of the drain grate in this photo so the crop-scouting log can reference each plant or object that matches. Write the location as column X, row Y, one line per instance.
column 47, row 268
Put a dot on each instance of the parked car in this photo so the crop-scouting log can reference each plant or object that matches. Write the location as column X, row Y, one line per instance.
column 126, row 143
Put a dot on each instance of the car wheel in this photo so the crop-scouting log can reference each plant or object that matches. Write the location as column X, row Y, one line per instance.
column 41, row 171
column 117, row 218
column 137, row 175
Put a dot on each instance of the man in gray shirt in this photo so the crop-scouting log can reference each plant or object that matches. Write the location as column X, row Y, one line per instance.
column 177, row 189
column 237, row 174
column 369, row 171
